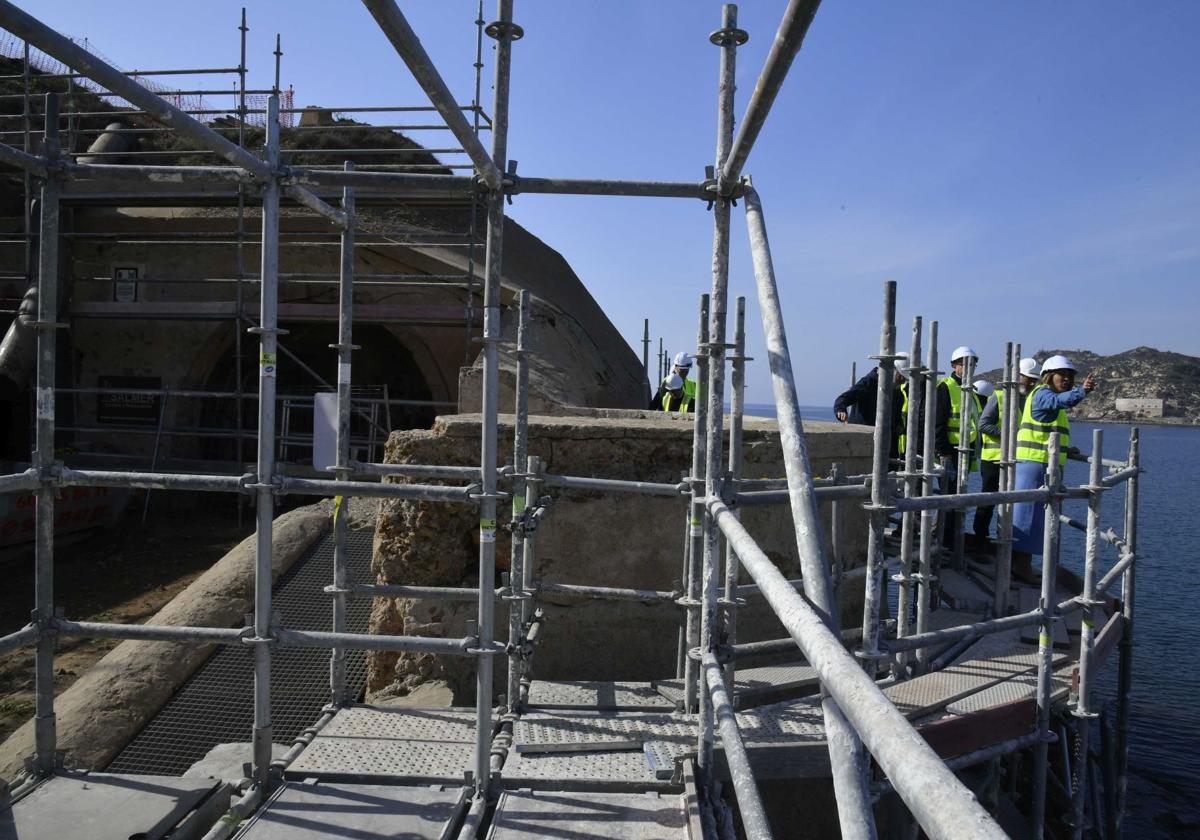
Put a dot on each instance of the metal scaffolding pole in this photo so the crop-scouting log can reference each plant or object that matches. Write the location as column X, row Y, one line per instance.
column 879, row 506
column 925, row 577
column 737, row 388
column 965, row 455
column 45, row 725
column 504, row 31
column 694, row 546
column 1087, row 599
column 345, row 348
column 847, row 758
column 1125, row 669
column 516, row 576
column 727, row 38
column 1045, row 686
column 1008, row 438
column 908, row 520
column 268, row 332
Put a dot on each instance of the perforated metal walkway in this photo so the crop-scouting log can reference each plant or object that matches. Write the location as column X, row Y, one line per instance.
column 215, row 706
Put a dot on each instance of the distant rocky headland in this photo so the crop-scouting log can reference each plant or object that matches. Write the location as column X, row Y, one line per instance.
column 1142, row 385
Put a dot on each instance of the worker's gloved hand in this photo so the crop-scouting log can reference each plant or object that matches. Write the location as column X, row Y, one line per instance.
column 841, row 416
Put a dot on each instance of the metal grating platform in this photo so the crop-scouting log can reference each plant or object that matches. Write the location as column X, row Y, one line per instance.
column 584, row 694
column 528, row 815
column 325, row 811
column 392, row 743
column 215, row 706
column 753, row 682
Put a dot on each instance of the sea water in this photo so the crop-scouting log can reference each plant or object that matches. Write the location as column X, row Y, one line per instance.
column 1164, row 745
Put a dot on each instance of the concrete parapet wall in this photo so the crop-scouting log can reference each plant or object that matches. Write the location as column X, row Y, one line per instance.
column 591, row 538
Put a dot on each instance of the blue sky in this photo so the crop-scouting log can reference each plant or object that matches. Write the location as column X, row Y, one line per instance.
column 1024, row 170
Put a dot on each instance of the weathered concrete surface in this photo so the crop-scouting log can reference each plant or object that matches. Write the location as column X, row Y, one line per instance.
column 590, row 538
column 111, row 702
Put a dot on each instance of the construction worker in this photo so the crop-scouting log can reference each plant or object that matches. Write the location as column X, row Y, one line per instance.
column 675, row 397
column 946, row 431
column 857, row 405
column 991, row 425
column 682, row 367
column 1044, row 413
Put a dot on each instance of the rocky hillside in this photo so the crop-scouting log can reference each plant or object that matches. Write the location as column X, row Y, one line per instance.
column 1141, row 372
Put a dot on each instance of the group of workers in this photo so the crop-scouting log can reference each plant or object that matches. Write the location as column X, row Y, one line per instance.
column 1047, row 391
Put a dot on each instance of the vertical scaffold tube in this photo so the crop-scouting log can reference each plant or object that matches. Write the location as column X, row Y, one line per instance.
column 908, row 520
column 1125, row 669
column 847, row 757
column 1045, row 689
column 716, row 377
column 696, row 514
column 927, row 578
column 45, row 725
column 878, row 507
column 964, row 457
column 503, row 33
column 268, row 331
column 1004, row 511
column 341, row 511
column 737, row 406
column 1087, row 636
column 516, row 576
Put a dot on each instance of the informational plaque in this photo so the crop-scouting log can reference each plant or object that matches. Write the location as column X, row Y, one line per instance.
column 125, row 284
column 117, row 407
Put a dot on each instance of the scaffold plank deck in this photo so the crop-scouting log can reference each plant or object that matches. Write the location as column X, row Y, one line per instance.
column 591, row 694
column 923, row 694
column 324, row 811
column 753, row 683
column 433, row 746
column 526, row 815
column 108, row 806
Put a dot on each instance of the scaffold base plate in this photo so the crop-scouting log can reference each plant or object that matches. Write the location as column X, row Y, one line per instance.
column 324, row 811
column 529, row 815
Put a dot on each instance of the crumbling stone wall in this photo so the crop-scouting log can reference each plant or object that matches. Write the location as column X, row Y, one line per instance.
column 594, row 538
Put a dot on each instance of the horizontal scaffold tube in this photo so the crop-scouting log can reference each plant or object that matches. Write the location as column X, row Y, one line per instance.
column 1113, row 479
column 823, row 494
column 939, row 802
column 372, row 490
column 600, row 186
column 18, row 482
column 955, row 501
column 436, row 593
column 970, row 759
column 1114, row 573
column 27, row 635
column 154, row 481
column 23, row 160
column 752, row 484
column 366, row 641
column 405, row 181
column 750, row 805
column 157, row 174
column 151, row 632
column 586, row 483
column 850, row 635
column 962, row 632
column 607, row 593
column 415, row 470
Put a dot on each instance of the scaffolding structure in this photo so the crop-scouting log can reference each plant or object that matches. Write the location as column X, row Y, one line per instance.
column 86, row 108
column 861, row 723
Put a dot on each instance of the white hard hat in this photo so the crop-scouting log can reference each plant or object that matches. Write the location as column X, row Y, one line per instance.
column 682, row 359
column 674, row 382
column 982, row 386
column 1057, row 363
column 1030, row 368
column 962, row 353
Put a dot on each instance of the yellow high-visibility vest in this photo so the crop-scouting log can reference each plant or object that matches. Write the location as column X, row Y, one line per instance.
column 684, row 404
column 1033, row 436
column 991, row 444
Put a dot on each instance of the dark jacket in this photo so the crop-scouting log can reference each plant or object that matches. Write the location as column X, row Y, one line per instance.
column 861, row 400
